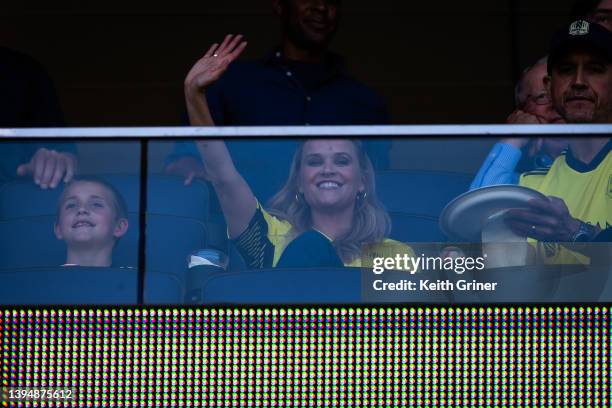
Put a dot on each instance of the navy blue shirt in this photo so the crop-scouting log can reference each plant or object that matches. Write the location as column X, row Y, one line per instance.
column 279, row 92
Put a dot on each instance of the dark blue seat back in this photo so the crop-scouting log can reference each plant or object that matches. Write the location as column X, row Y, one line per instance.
column 415, row 200
column 161, row 288
column 415, row 228
column 85, row 286
column 176, row 225
column 264, row 183
column 68, row 285
column 284, row 286
column 166, row 195
column 30, row 242
column 309, row 286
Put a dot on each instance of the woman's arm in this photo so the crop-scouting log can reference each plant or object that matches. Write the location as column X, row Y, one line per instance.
column 237, row 201
column 235, row 196
column 207, row 70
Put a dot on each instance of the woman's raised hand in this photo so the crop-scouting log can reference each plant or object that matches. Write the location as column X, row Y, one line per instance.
column 214, row 63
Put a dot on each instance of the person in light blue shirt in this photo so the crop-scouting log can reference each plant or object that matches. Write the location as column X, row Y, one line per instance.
column 510, row 157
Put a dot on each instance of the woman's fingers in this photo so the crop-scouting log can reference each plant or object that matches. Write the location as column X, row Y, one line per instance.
column 222, row 50
column 233, row 43
column 216, row 60
column 237, row 51
column 228, row 45
column 211, row 50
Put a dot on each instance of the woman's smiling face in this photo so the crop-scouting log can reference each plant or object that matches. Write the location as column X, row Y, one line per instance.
column 330, row 175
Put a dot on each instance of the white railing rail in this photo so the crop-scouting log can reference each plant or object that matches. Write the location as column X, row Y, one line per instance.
column 309, row 131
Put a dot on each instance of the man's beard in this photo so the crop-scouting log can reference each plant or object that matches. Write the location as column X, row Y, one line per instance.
column 579, row 117
column 579, row 114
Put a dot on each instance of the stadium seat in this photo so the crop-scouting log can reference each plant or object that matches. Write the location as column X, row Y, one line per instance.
column 162, row 288
column 415, row 200
column 415, row 228
column 306, row 286
column 166, row 195
column 68, row 285
column 284, row 286
column 30, row 242
column 85, row 286
column 263, row 185
column 176, row 225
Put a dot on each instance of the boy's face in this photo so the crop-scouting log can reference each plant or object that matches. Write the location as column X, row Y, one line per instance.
column 87, row 216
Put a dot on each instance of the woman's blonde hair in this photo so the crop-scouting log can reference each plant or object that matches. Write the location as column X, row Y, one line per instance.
column 371, row 222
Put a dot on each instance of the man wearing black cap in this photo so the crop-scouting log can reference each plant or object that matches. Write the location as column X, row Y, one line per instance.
column 579, row 73
column 579, row 183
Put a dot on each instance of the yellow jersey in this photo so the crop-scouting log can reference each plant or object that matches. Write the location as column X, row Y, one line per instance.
column 263, row 242
column 586, row 190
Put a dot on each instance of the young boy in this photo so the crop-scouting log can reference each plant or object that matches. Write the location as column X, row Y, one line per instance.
column 91, row 217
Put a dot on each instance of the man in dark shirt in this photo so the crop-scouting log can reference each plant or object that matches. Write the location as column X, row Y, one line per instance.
column 28, row 99
column 299, row 83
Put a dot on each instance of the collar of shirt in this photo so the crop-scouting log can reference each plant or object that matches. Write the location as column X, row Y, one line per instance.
column 331, row 68
column 581, row 167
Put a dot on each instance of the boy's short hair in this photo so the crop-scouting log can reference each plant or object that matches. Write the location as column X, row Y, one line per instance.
column 118, row 202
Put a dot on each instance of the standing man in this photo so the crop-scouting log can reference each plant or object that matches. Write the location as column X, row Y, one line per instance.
column 579, row 183
column 299, row 83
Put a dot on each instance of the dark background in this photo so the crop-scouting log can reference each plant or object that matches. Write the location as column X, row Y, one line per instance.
column 122, row 63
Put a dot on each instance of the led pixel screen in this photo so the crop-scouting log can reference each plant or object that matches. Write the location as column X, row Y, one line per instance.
column 308, row 356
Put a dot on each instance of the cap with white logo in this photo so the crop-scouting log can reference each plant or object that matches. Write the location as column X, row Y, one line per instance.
column 580, row 35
